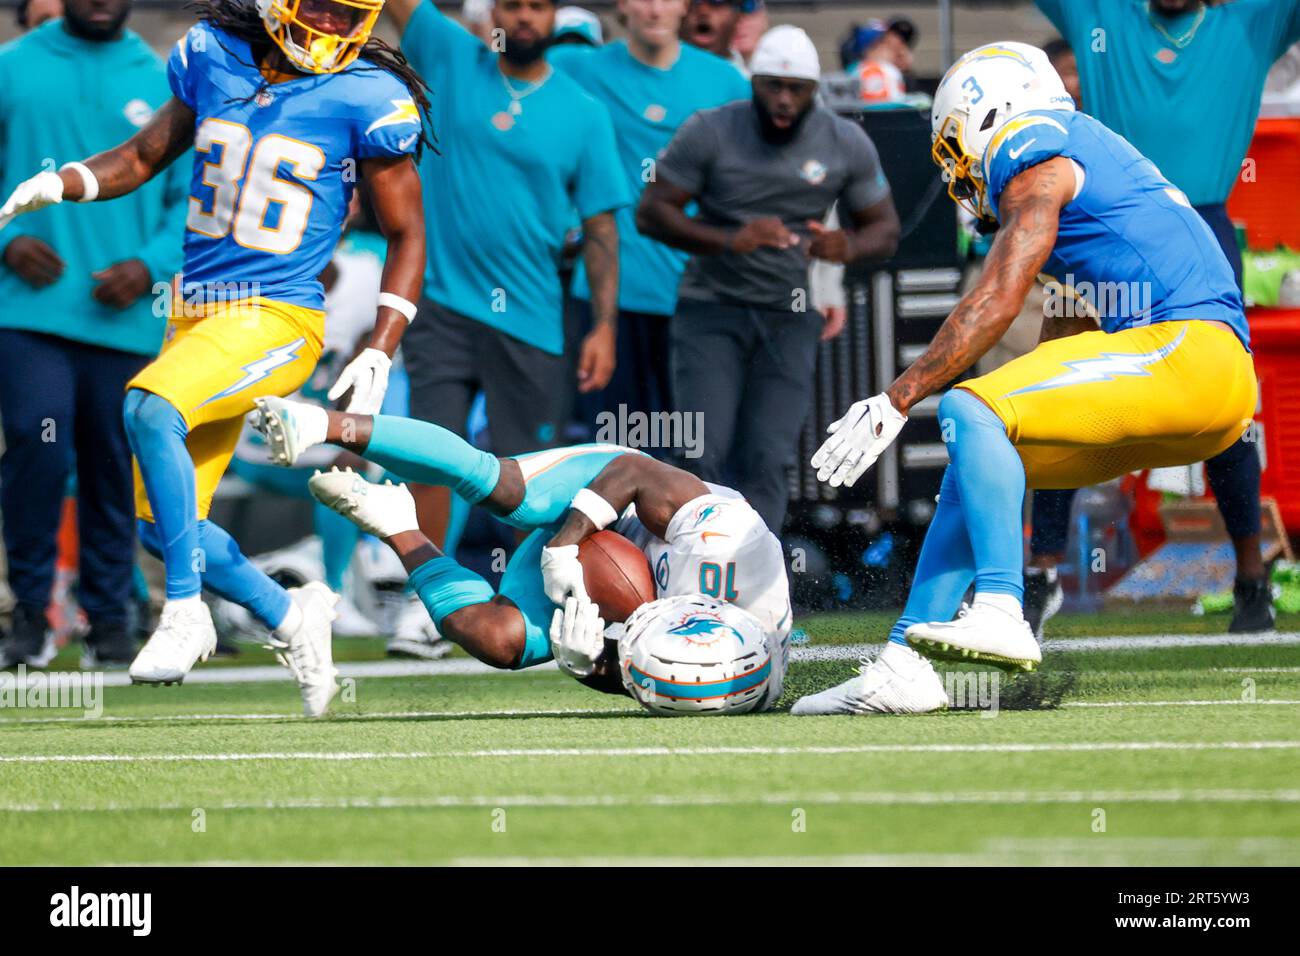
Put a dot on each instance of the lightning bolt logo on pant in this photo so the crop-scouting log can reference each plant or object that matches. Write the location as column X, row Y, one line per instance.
column 255, row 372
column 1104, row 368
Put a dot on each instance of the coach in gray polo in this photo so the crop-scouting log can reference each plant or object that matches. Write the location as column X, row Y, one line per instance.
column 743, row 344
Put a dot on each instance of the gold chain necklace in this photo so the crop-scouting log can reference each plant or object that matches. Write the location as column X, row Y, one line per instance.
column 1180, row 42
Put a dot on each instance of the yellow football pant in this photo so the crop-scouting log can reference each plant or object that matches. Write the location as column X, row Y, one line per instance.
column 215, row 360
column 1091, row 407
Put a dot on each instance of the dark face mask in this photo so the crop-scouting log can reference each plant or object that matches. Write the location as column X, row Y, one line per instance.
column 773, row 133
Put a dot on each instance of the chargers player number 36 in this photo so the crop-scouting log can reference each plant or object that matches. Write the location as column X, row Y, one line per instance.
column 241, row 205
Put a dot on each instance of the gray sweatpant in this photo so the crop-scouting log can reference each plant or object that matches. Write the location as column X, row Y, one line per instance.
column 749, row 373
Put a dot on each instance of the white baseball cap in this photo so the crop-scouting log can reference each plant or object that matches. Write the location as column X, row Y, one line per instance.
column 786, row 51
column 580, row 21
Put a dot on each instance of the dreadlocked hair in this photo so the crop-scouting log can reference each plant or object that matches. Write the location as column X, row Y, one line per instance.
column 240, row 19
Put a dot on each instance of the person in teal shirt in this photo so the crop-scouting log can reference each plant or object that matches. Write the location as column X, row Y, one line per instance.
column 1182, row 80
column 84, row 294
column 651, row 83
column 85, row 274
column 521, row 147
column 1179, row 79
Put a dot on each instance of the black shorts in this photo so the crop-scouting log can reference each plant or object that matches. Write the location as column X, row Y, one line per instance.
column 450, row 358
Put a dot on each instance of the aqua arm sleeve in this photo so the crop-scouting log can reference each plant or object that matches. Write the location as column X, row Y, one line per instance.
column 445, row 587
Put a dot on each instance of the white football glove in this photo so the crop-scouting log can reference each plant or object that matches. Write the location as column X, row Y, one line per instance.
column 562, row 574
column 577, row 637
column 857, row 440
column 43, row 189
column 367, row 376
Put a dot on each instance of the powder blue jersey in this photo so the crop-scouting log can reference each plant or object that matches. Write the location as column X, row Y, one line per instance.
column 1129, row 244
column 275, row 165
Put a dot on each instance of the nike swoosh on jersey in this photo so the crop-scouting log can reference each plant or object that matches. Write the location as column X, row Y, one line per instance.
column 1017, row 153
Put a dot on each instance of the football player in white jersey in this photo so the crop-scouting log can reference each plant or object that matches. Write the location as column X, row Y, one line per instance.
column 700, row 540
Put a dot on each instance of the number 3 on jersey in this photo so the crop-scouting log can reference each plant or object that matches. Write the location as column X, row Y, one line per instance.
column 241, row 205
column 711, row 581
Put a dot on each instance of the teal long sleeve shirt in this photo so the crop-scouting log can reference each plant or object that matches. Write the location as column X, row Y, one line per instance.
column 62, row 99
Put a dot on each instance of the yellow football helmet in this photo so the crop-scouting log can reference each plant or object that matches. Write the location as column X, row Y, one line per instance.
column 320, row 36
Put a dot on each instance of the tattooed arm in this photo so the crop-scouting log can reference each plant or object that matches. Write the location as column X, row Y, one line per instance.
column 126, row 168
column 1030, row 210
column 600, row 256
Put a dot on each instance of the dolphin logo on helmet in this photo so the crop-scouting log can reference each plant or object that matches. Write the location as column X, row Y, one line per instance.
column 700, row 626
column 671, row 672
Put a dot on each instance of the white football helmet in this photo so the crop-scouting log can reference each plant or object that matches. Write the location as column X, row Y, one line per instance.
column 982, row 91
column 692, row 654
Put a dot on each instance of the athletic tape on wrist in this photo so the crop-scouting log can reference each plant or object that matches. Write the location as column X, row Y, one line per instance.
column 397, row 303
column 600, row 511
column 89, row 184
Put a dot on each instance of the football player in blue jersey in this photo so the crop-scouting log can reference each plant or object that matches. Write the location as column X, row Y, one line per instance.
column 1145, row 363
column 286, row 104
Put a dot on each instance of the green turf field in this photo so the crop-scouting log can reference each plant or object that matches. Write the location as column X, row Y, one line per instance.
column 1173, row 755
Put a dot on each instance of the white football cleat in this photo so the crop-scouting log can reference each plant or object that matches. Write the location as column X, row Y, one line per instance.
column 382, row 510
column 982, row 632
column 415, row 635
column 184, row 637
column 307, row 652
column 290, row 428
column 898, row 681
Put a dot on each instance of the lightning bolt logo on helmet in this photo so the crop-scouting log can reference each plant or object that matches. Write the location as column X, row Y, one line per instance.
column 981, row 93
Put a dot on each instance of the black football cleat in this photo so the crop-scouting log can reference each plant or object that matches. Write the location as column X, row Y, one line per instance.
column 30, row 642
column 1252, row 600
column 1043, row 598
column 109, row 646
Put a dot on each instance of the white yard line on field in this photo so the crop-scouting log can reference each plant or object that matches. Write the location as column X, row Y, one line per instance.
column 564, row 752
column 1114, row 851
column 852, row 798
column 824, row 652
column 540, row 714
column 1120, row 642
column 1179, row 703
column 294, row 716
column 270, row 673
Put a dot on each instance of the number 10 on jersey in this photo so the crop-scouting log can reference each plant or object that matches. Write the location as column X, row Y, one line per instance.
column 712, row 577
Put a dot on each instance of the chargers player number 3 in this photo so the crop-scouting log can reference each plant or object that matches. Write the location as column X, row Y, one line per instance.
column 241, row 204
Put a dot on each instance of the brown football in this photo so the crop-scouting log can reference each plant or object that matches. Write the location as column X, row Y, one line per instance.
column 616, row 573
